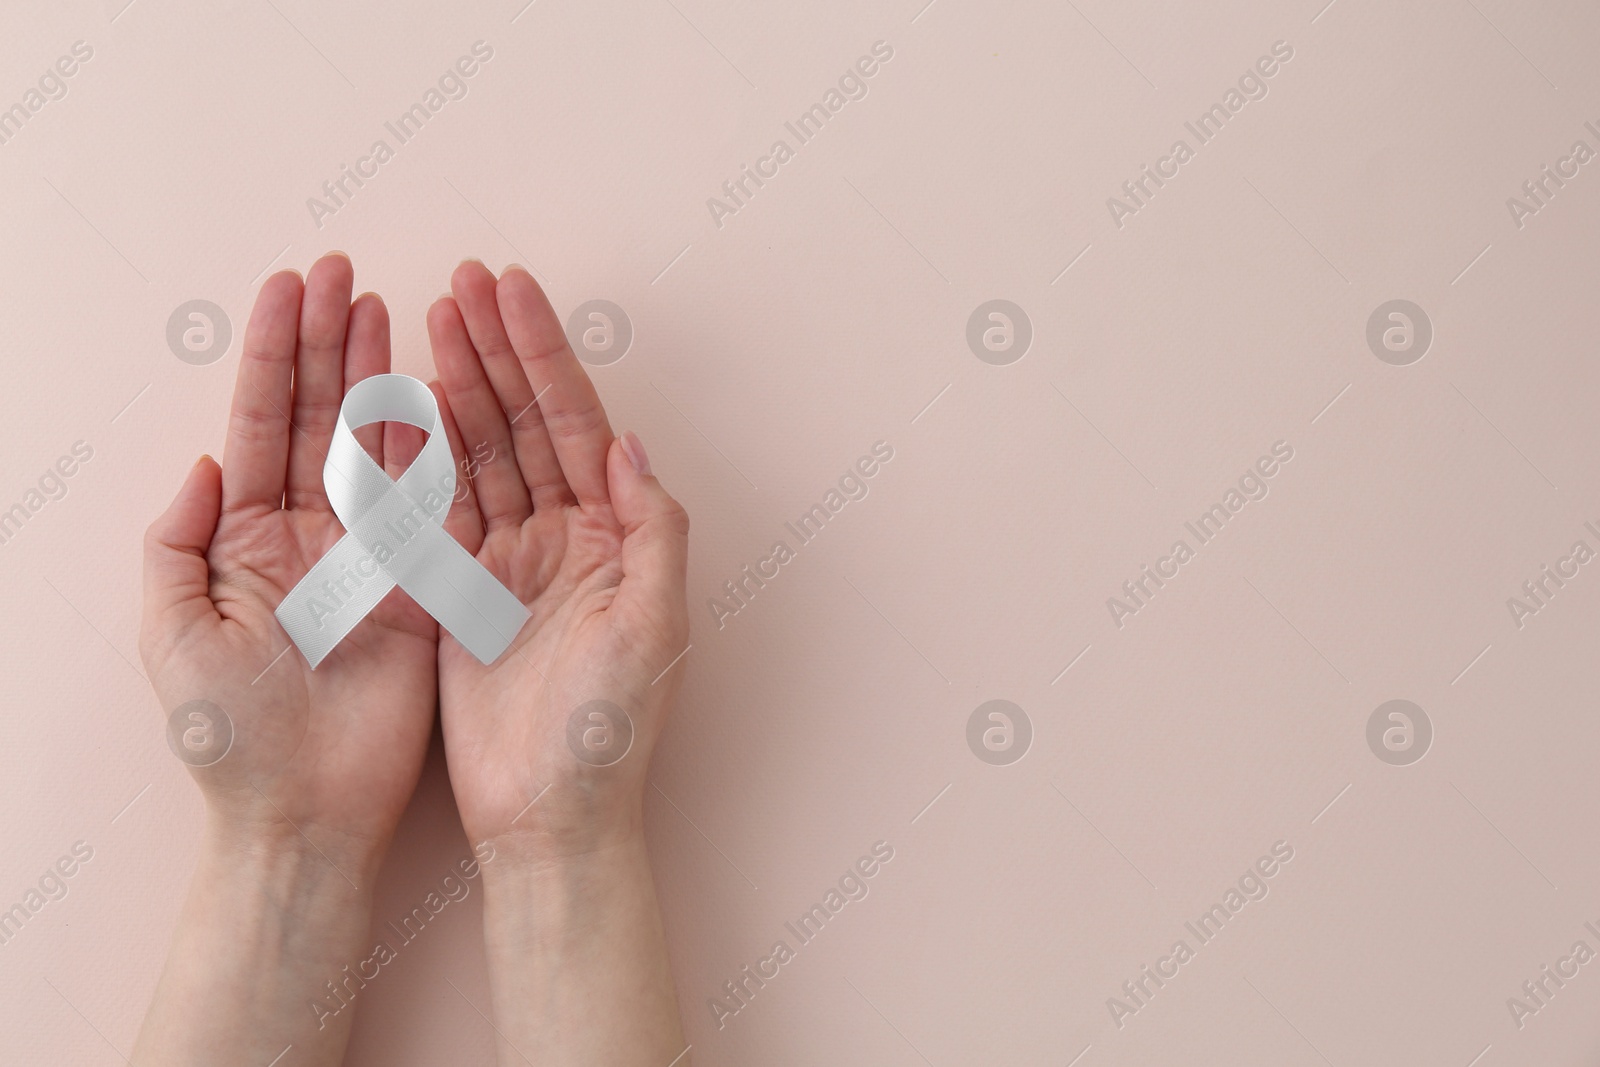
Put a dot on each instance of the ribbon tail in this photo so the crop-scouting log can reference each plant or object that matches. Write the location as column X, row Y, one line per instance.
column 468, row 601
column 317, row 620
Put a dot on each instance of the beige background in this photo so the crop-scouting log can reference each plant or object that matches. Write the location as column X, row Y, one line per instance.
column 1228, row 314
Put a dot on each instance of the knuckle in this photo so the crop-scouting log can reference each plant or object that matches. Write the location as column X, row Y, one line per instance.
column 495, row 346
column 322, row 329
column 317, row 411
column 577, row 423
column 675, row 518
column 256, row 424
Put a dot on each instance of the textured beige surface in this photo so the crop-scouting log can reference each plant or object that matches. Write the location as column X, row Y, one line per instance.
column 829, row 312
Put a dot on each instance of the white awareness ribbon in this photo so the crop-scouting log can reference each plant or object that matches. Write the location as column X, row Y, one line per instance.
column 395, row 536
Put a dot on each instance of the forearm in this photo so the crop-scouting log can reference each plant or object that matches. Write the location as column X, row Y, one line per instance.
column 578, row 960
column 268, row 923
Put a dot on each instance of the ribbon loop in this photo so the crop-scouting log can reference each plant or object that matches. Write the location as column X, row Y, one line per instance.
column 395, row 536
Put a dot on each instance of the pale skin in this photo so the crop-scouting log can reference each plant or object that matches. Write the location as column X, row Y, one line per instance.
column 301, row 810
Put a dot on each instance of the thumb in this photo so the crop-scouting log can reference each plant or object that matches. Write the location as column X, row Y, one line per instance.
column 177, row 576
column 655, row 542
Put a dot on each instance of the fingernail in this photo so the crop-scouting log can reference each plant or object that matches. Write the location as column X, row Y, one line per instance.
column 336, row 252
column 203, row 457
column 635, row 450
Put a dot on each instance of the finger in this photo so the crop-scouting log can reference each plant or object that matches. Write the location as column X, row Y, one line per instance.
column 464, row 522
column 502, row 494
column 318, row 378
column 402, row 443
column 573, row 415
column 366, row 353
column 256, row 456
column 474, row 289
column 177, row 578
column 655, row 542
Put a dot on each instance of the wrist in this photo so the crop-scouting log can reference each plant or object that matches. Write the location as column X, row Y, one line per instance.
column 527, row 855
column 282, row 859
column 565, row 933
column 568, row 824
column 534, row 899
column 268, row 925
